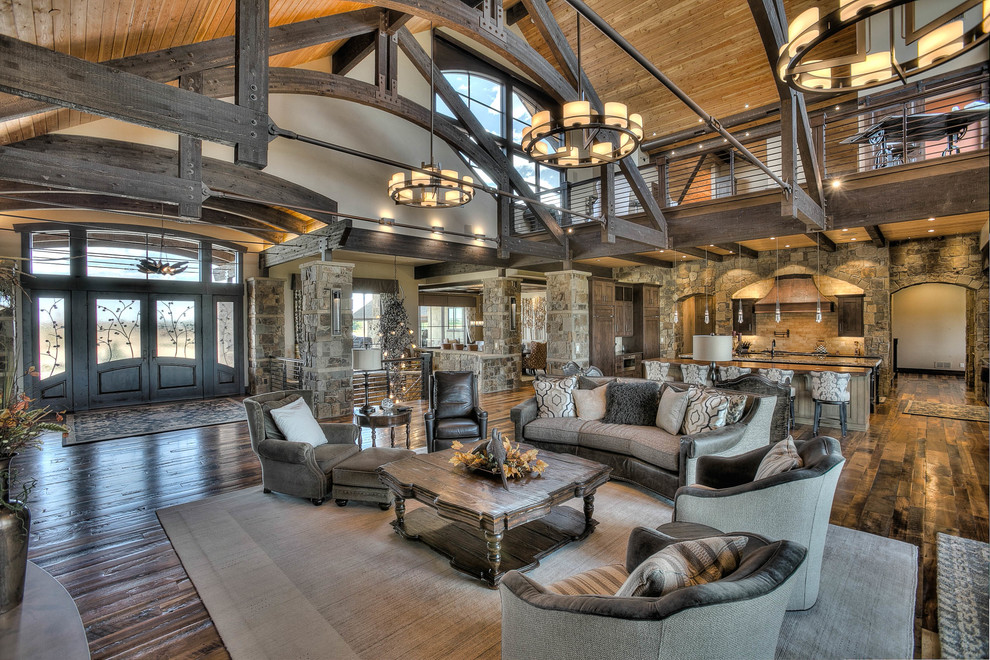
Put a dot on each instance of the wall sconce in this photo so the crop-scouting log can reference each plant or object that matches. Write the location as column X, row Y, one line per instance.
column 335, row 312
column 388, row 222
column 512, row 313
column 438, row 230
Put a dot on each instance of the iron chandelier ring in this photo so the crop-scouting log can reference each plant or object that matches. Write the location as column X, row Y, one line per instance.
column 629, row 136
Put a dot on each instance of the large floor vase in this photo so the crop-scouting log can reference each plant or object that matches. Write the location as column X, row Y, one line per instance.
column 15, row 526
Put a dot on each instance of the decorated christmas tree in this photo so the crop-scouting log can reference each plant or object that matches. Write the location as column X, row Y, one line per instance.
column 395, row 335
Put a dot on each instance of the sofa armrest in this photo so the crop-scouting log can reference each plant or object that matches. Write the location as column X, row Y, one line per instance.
column 285, row 451
column 481, row 418
column 711, row 442
column 521, row 415
column 341, row 434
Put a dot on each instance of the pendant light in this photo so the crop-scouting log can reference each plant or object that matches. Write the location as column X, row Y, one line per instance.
column 776, row 288
column 149, row 266
column 707, row 321
column 818, row 275
column 739, row 266
column 427, row 189
column 579, row 137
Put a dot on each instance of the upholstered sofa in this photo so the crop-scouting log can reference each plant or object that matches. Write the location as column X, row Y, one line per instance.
column 646, row 455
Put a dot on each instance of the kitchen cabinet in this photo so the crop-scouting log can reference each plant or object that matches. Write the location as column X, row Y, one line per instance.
column 601, row 351
column 646, row 321
column 602, row 291
column 850, row 311
column 628, row 364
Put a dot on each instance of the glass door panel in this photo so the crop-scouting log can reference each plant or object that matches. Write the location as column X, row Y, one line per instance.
column 227, row 368
column 177, row 365
column 118, row 365
column 52, row 350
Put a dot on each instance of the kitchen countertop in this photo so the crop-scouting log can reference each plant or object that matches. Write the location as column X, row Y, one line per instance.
column 757, row 360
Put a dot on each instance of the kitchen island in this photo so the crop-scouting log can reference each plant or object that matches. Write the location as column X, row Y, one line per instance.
column 862, row 384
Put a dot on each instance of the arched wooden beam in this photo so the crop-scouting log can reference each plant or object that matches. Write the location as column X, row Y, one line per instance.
column 217, row 174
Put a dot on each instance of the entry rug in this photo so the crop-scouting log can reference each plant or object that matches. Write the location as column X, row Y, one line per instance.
column 963, row 593
column 948, row 410
column 111, row 423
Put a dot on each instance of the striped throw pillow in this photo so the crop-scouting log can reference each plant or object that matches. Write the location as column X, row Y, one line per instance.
column 782, row 458
column 601, row 581
column 684, row 564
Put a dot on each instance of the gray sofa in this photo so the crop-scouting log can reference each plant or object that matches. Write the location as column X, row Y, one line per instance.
column 646, row 455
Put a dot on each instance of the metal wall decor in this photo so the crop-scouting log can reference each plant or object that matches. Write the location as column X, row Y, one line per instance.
column 802, row 66
column 335, row 301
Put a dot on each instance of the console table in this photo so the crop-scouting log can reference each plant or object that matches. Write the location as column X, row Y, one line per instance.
column 382, row 420
column 45, row 625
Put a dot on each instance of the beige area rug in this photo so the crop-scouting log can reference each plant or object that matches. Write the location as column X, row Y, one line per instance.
column 948, row 411
column 284, row 579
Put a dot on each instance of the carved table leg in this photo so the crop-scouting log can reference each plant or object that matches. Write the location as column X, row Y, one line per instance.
column 400, row 514
column 374, row 436
column 589, row 511
column 494, row 540
column 391, row 436
column 407, row 435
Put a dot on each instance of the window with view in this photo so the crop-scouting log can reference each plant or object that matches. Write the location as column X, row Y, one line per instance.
column 439, row 325
column 367, row 313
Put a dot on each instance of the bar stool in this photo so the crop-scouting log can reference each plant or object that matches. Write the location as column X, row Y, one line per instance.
column 731, row 371
column 782, row 377
column 657, row 371
column 832, row 388
column 694, row 374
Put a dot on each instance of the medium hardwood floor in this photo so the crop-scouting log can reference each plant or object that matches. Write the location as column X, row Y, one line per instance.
column 96, row 531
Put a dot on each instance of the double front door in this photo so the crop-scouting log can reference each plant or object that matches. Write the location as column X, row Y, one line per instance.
column 134, row 347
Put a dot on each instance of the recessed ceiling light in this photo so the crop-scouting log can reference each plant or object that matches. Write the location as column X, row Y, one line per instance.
column 853, row 238
column 836, row 107
column 731, row 252
column 699, row 146
column 725, row 140
column 836, row 183
column 787, row 246
column 654, row 133
column 773, row 238
column 845, row 229
column 746, row 106
column 661, row 250
column 747, row 133
column 673, row 153
column 700, row 120
column 931, row 219
column 930, row 231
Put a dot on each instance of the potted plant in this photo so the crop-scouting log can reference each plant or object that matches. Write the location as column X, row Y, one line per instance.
column 20, row 428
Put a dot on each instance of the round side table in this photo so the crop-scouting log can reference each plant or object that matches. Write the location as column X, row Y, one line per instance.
column 379, row 420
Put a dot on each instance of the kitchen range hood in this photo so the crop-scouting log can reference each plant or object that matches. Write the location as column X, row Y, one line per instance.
column 796, row 293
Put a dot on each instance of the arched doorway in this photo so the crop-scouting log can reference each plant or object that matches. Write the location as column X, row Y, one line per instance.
column 928, row 326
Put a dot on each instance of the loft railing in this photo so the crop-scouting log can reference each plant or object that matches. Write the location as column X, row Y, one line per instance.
column 889, row 129
column 407, row 380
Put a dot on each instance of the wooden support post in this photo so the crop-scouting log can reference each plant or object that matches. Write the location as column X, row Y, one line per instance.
column 191, row 153
column 876, row 235
column 251, row 85
column 386, row 61
column 607, row 179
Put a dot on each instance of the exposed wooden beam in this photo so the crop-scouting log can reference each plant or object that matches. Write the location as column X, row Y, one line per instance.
column 171, row 63
column 251, row 76
column 740, row 249
column 823, row 241
column 357, row 48
column 876, row 235
column 515, row 13
column 274, row 218
column 378, row 242
column 425, row 66
column 386, row 61
column 314, row 244
column 517, row 245
column 191, row 152
column 800, row 206
column 622, row 228
column 44, row 75
column 548, row 28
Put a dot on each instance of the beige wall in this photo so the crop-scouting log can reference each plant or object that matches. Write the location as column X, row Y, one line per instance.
column 930, row 322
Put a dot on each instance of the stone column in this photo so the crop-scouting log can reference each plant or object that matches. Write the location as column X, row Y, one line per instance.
column 568, row 339
column 266, row 330
column 500, row 337
column 326, row 356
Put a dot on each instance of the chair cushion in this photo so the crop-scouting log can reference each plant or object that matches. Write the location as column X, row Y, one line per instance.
column 783, row 457
column 361, row 469
column 673, row 405
column 454, row 393
column 684, row 564
column 589, row 404
column 562, row 430
column 705, row 412
column 632, row 403
column 271, row 429
column 296, row 422
column 601, row 581
column 456, row 428
column 328, row 456
column 553, row 398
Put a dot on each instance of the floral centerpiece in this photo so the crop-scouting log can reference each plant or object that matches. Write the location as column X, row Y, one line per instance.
column 498, row 456
column 20, row 428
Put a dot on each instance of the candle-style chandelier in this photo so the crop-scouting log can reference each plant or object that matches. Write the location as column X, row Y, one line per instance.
column 159, row 266
column 910, row 50
column 434, row 187
column 578, row 137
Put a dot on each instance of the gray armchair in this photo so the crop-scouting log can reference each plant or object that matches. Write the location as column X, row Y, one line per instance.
column 793, row 505
column 738, row 616
column 296, row 468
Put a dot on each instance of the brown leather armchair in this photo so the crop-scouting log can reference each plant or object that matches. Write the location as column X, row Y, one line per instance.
column 454, row 411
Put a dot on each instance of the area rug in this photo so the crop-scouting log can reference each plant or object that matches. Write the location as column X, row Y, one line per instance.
column 284, row 579
column 110, row 423
column 963, row 593
column 948, row 410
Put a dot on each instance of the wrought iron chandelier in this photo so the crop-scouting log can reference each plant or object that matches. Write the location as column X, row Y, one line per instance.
column 433, row 186
column 149, row 266
column 912, row 50
column 578, row 137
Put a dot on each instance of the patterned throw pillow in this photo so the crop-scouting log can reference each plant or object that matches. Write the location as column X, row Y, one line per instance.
column 553, row 397
column 590, row 404
column 673, row 405
column 737, row 406
column 705, row 413
column 632, row 403
column 782, row 458
column 684, row 564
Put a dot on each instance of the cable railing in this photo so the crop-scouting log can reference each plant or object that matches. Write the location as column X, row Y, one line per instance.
column 405, row 379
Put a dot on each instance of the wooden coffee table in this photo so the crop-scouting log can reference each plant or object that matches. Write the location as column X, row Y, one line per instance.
column 484, row 529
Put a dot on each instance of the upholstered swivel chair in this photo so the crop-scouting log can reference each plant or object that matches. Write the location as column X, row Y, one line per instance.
column 695, row 374
column 658, row 371
column 793, row 505
column 296, row 468
column 784, row 377
column 454, row 411
column 736, row 617
column 830, row 387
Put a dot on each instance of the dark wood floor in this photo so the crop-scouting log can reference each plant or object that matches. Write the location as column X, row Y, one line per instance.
column 96, row 531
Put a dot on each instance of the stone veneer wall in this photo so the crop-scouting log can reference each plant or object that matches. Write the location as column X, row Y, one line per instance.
column 950, row 260
column 495, row 374
column 326, row 357
column 568, row 337
column 500, row 338
column 266, row 329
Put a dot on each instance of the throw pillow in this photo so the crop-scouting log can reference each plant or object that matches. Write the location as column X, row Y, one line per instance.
column 296, row 422
column 684, row 564
column 705, row 413
column 673, row 405
column 553, row 397
column 590, row 404
column 782, row 458
column 737, row 406
column 271, row 428
column 632, row 403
